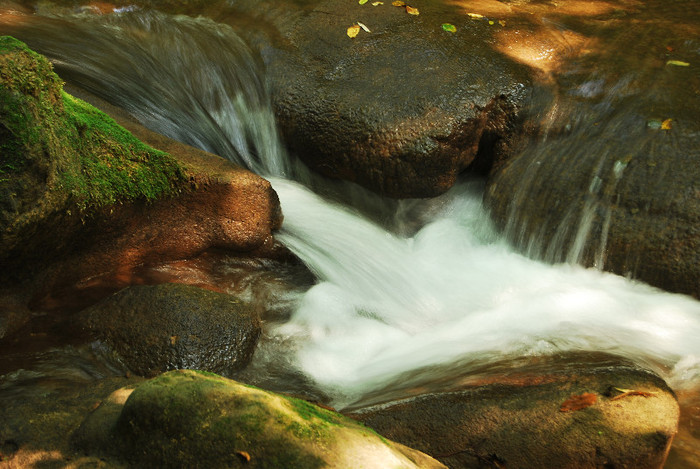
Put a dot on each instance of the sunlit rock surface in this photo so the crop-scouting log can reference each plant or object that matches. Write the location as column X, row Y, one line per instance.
column 195, row 419
column 579, row 419
column 170, row 326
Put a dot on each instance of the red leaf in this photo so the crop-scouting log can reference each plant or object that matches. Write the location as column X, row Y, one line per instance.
column 578, row 402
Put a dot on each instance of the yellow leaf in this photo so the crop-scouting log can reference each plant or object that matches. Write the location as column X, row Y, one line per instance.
column 353, row 31
column 678, row 63
column 666, row 125
column 492, row 22
column 398, row 3
column 362, row 2
column 362, row 25
column 411, row 10
column 476, row 16
column 502, row 23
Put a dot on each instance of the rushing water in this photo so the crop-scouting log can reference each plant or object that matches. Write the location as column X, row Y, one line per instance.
column 419, row 284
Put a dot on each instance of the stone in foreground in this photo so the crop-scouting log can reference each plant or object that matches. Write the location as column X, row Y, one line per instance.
column 196, row 419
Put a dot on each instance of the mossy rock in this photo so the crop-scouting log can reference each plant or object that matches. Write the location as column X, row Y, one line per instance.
column 197, row 419
column 61, row 158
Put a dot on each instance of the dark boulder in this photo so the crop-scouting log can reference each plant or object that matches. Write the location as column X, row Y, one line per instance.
column 401, row 109
column 172, row 326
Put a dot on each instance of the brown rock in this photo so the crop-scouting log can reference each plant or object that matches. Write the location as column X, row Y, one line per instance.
column 530, row 424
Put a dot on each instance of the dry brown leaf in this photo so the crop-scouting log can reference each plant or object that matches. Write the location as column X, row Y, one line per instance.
column 631, row 392
column 579, row 402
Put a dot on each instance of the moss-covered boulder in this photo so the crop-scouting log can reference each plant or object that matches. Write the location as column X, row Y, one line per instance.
column 197, row 419
column 84, row 204
column 173, row 326
column 61, row 158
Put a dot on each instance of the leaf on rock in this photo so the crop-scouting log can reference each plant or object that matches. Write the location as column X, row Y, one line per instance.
column 450, row 28
column 243, row 455
column 475, row 16
column 362, row 2
column 578, row 402
column 412, row 11
column 678, row 63
column 502, row 23
column 666, row 124
column 362, row 25
column 353, row 31
column 632, row 392
column 398, row 3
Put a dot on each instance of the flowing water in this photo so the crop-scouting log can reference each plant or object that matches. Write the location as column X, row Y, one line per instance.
column 405, row 291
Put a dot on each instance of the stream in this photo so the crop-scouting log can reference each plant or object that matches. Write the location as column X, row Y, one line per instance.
column 406, row 292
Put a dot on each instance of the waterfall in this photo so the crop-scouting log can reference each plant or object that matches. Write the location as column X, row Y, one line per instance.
column 434, row 285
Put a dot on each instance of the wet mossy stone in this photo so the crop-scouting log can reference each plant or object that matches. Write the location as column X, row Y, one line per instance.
column 173, row 326
column 61, row 158
column 196, row 419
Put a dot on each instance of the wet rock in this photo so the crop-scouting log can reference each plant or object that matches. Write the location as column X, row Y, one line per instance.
column 196, row 419
column 536, row 422
column 402, row 109
column 71, row 222
column 172, row 326
column 616, row 182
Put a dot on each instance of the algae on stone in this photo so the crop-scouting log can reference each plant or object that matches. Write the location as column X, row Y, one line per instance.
column 193, row 419
column 57, row 148
column 60, row 157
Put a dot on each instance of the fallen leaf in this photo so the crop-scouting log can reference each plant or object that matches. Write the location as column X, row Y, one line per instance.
column 654, row 124
column 678, row 63
column 362, row 25
column 412, row 11
column 491, row 22
column 362, row 2
column 666, row 124
column 632, row 392
column 502, row 23
column 578, row 402
column 353, row 31
column 374, row 4
column 450, row 28
column 243, row 455
column 475, row 16
column 173, row 339
column 398, row 3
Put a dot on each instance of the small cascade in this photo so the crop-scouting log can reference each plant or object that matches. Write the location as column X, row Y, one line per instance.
column 402, row 287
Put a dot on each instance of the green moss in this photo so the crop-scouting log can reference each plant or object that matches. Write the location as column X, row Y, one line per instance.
column 74, row 148
column 308, row 411
column 114, row 165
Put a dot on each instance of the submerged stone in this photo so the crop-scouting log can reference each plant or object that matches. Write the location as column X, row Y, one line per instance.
column 196, row 419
